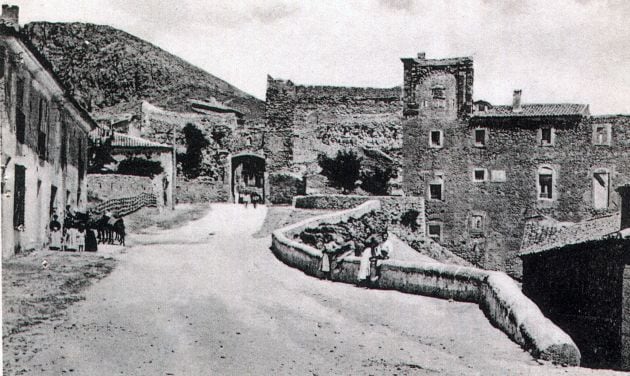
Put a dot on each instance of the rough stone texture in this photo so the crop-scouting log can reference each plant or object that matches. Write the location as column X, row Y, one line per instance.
column 497, row 294
column 103, row 187
column 201, row 190
column 625, row 324
column 582, row 288
column 304, row 121
column 513, row 147
column 285, row 186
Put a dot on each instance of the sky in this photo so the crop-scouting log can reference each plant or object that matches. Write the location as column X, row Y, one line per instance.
column 575, row 51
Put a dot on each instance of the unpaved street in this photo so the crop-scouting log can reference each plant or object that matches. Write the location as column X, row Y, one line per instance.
column 210, row 299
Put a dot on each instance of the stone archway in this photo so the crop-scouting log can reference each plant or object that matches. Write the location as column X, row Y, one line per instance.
column 248, row 172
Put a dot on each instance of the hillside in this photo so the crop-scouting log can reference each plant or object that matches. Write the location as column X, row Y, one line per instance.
column 110, row 71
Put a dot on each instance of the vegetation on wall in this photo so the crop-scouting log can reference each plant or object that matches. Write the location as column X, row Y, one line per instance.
column 343, row 171
column 99, row 155
column 140, row 167
column 191, row 161
column 376, row 181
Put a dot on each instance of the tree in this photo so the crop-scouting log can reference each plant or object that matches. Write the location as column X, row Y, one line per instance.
column 343, row 171
column 195, row 144
column 99, row 154
column 375, row 181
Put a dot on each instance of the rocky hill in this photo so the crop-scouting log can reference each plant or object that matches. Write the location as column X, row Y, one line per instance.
column 109, row 71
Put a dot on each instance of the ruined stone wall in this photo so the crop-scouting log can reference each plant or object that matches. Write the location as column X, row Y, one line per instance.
column 581, row 287
column 305, row 121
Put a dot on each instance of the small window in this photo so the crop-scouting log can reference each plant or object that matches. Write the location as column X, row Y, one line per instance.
column 435, row 139
column 547, row 136
column 480, row 137
column 545, row 183
column 476, row 223
column 438, row 92
column 434, row 231
column 601, row 134
column 436, row 189
column 479, row 174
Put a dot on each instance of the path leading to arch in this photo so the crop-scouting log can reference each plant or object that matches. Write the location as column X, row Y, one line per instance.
column 208, row 298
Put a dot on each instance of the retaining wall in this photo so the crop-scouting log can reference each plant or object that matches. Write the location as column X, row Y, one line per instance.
column 497, row 294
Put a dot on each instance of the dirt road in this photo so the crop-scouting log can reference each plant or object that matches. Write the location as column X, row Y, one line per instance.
column 210, row 299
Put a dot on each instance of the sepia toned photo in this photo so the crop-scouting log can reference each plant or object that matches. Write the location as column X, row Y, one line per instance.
column 282, row 187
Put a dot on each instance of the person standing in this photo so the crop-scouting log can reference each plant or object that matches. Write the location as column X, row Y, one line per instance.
column 364, row 266
column 56, row 240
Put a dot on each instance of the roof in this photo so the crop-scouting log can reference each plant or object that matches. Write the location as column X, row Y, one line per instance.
column 535, row 110
column 439, row 62
column 122, row 140
column 564, row 233
column 212, row 105
column 9, row 30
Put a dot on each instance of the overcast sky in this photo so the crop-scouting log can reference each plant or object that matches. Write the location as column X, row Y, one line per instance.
column 554, row 50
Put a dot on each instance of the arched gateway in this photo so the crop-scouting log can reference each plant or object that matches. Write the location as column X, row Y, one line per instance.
column 247, row 175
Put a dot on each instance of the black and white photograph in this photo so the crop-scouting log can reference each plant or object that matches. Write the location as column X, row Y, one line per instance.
column 304, row 187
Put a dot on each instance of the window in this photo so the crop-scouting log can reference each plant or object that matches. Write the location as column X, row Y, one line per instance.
column 53, row 198
column 41, row 134
column 546, row 136
column 435, row 139
column 480, row 137
column 436, row 187
column 434, row 231
column 438, row 92
column 479, row 174
column 546, row 183
column 601, row 184
column 20, row 118
column 19, row 196
column 476, row 224
column 3, row 54
column 601, row 134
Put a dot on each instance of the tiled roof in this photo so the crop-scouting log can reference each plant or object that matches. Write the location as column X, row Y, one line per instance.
column 580, row 232
column 122, row 140
column 534, row 110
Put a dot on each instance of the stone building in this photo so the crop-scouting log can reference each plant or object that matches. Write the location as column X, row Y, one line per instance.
column 44, row 142
column 579, row 276
column 302, row 122
column 105, row 186
column 484, row 170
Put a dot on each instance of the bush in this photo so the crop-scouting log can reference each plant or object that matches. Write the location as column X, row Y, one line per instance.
column 376, row 181
column 410, row 219
column 343, row 171
column 140, row 167
column 192, row 159
column 99, row 154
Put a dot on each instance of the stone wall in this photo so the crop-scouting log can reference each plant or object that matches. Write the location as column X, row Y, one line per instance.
column 103, row 187
column 202, row 190
column 497, row 294
column 305, row 121
column 625, row 323
column 582, row 289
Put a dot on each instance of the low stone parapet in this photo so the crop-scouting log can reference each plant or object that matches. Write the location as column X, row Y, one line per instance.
column 497, row 294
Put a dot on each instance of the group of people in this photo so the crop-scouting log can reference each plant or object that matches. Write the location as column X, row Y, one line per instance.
column 74, row 235
column 377, row 247
column 250, row 198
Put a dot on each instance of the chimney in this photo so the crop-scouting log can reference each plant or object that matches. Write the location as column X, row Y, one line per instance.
column 516, row 101
column 10, row 16
column 421, row 56
column 624, row 193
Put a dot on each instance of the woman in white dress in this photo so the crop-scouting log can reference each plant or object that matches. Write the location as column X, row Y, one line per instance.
column 364, row 266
